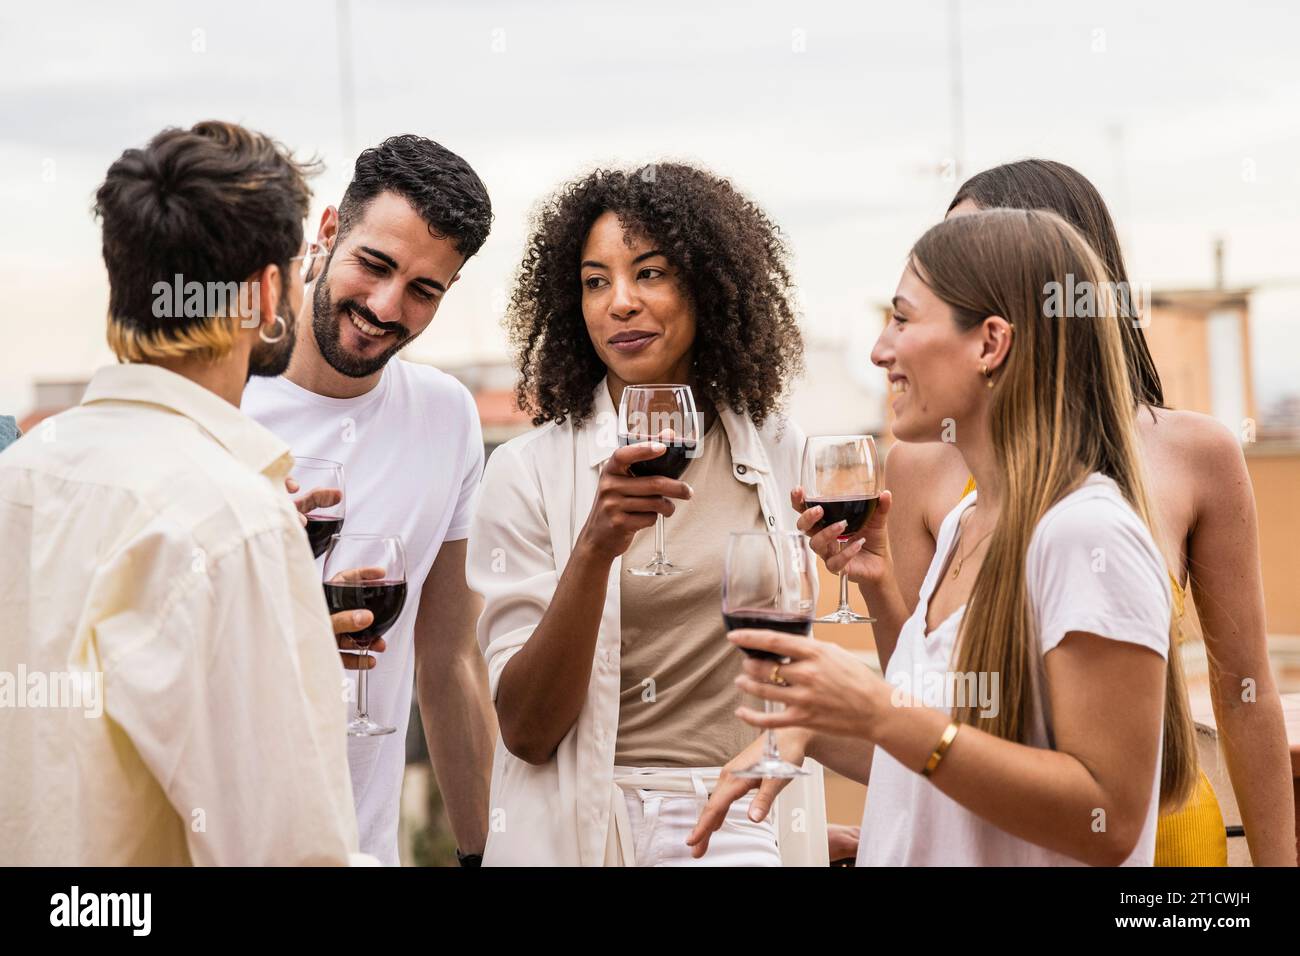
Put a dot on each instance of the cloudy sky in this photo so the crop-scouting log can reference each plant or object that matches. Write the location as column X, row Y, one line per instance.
column 837, row 117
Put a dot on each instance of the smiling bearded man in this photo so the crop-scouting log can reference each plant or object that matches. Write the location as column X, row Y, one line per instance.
column 409, row 440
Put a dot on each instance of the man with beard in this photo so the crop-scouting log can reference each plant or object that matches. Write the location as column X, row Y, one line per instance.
column 409, row 440
column 175, row 697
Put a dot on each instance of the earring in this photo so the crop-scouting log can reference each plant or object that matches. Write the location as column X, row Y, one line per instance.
column 284, row 330
column 988, row 376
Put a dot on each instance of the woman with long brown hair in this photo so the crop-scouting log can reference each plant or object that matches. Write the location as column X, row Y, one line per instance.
column 1206, row 524
column 1022, row 719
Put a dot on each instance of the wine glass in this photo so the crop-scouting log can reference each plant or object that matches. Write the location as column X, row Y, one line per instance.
column 841, row 473
column 663, row 413
column 366, row 571
column 320, row 493
column 769, row 582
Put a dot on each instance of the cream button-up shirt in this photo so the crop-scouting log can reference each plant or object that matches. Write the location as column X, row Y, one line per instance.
column 170, row 691
column 537, row 493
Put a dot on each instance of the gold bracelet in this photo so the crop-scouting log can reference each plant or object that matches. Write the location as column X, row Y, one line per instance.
column 949, row 734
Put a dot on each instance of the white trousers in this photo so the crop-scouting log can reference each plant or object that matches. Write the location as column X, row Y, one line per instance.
column 653, row 811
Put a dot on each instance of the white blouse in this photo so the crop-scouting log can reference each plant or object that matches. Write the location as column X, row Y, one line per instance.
column 536, row 496
column 1092, row 566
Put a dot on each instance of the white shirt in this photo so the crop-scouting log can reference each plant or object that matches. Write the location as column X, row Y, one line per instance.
column 149, row 545
column 542, row 485
column 1092, row 566
column 412, row 455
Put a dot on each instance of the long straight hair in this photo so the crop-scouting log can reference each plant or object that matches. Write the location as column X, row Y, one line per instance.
column 1062, row 189
column 1062, row 408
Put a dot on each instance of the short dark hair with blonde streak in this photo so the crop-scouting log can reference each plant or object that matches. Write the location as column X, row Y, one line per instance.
column 216, row 203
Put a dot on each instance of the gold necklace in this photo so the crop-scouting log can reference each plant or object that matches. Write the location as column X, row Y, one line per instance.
column 961, row 559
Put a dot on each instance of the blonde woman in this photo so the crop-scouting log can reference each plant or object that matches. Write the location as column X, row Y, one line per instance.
column 1030, row 713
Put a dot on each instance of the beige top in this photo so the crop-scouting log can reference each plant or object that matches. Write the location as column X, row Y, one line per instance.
column 678, row 695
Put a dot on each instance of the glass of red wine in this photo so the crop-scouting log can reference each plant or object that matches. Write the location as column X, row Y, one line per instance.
column 320, row 498
column 366, row 571
column 663, row 413
column 769, row 582
column 841, row 473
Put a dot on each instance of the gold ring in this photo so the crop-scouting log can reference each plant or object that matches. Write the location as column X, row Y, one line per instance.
column 776, row 677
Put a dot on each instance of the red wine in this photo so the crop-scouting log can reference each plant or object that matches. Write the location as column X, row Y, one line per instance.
column 670, row 464
column 319, row 530
column 856, row 511
column 767, row 621
column 383, row 599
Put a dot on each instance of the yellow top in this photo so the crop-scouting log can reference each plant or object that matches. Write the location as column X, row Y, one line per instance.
column 1180, row 602
column 1193, row 835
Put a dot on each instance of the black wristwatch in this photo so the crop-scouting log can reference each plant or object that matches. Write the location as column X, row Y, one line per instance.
column 469, row 859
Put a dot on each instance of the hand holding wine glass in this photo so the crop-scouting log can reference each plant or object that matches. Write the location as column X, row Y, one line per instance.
column 320, row 502
column 366, row 572
column 841, row 477
column 768, row 585
column 865, row 557
column 626, row 503
column 312, row 500
column 827, row 690
column 666, row 415
column 347, row 623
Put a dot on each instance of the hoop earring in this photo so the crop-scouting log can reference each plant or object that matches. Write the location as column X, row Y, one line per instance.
column 988, row 376
column 284, row 330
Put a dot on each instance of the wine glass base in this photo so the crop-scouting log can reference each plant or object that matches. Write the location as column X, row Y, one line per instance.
column 844, row 616
column 658, row 569
column 768, row 769
column 365, row 727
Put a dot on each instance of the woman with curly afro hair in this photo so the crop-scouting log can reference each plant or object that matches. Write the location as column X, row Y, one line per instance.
column 615, row 692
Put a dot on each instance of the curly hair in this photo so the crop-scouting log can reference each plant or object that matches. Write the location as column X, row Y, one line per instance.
column 734, row 268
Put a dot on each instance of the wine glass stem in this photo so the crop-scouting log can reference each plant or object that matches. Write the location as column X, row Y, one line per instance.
column 771, row 753
column 363, row 707
column 844, row 584
column 660, row 557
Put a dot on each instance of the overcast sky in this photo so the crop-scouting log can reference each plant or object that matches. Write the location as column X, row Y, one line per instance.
column 836, row 117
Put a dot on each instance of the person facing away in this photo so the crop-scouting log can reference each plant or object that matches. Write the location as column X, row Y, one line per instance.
column 409, row 440
column 615, row 691
column 182, row 698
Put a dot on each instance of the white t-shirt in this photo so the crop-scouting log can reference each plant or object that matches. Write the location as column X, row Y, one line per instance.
column 1092, row 566
column 412, row 456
